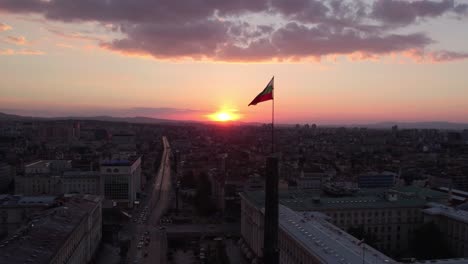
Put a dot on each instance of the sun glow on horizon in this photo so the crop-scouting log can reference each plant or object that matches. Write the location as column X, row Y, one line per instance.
column 224, row 116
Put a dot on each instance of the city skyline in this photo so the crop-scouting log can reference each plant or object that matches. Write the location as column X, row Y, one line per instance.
column 334, row 62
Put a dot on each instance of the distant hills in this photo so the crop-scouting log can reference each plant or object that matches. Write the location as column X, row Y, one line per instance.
column 137, row 119
column 420, row 125
column 149, row 120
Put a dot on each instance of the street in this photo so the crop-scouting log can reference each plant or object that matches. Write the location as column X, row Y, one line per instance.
column 157, row 203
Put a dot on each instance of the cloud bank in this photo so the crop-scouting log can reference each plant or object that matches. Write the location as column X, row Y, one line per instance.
column 4, row 27
column 261, row 30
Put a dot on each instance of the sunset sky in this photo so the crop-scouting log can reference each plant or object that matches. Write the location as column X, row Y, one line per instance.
column 333, row 61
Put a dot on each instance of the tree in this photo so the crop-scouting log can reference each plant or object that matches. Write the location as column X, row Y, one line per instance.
column 361, row 234
column 429, row 243
column 203, row 202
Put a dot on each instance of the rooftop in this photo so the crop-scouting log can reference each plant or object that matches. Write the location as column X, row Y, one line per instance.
column 8, row 200
column 120, row 162
column 39, row 240
column 326, row 241
column 82, row 174
column 303, row 200
column 450, row 212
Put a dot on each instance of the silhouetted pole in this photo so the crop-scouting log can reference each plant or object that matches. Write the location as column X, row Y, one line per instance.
column 270, row 235
column 273, row 121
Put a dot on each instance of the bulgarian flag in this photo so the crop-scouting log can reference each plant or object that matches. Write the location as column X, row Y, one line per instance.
column 265, row 95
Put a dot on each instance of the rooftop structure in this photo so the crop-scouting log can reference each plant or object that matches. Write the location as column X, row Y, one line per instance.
column 450, row 212
column 326, row 242
column 365, row 198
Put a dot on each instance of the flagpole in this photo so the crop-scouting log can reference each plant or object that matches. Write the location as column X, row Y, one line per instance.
column 273, row 119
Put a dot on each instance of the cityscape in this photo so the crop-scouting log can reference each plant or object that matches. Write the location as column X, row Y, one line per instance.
column 233, row 132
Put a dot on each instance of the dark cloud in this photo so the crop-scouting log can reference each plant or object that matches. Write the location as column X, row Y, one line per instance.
column 223, row 29
column 403, row 12
column 443, row 56
column 196, row 40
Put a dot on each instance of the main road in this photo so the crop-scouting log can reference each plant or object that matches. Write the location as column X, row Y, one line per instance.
column 158, row 202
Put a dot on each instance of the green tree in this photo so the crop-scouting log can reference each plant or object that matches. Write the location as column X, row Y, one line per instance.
column 203, row 202
column 359, row 233
column 429, row 243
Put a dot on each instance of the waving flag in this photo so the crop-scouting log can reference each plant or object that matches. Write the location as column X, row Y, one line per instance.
column 265, row 95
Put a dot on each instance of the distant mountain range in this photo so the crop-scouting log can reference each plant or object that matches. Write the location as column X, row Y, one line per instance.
column 137, row 119
column 149, row 120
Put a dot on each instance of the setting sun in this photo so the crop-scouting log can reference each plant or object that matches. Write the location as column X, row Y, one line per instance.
column 223, row 116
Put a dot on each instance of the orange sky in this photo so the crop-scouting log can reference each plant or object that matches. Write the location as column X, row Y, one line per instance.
column 218, row 58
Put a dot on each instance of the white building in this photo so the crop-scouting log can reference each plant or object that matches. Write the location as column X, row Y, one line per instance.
column 121, row 181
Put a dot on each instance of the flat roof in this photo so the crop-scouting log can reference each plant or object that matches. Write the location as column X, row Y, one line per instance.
column 83, row 174
column 444, row 261
column 8, row 200
column 40, row 239
column 121, row 162
column 326, row 241
column 450, row 212
column 303, row 200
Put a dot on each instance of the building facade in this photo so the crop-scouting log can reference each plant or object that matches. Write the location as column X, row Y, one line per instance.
column 82, row 182
column 389, row 216
column 121, row 181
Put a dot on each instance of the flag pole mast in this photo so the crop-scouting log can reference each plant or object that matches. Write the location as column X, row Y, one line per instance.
column 273, row 119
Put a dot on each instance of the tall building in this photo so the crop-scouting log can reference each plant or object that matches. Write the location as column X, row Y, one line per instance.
column 121, row 181
column 66, row 234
